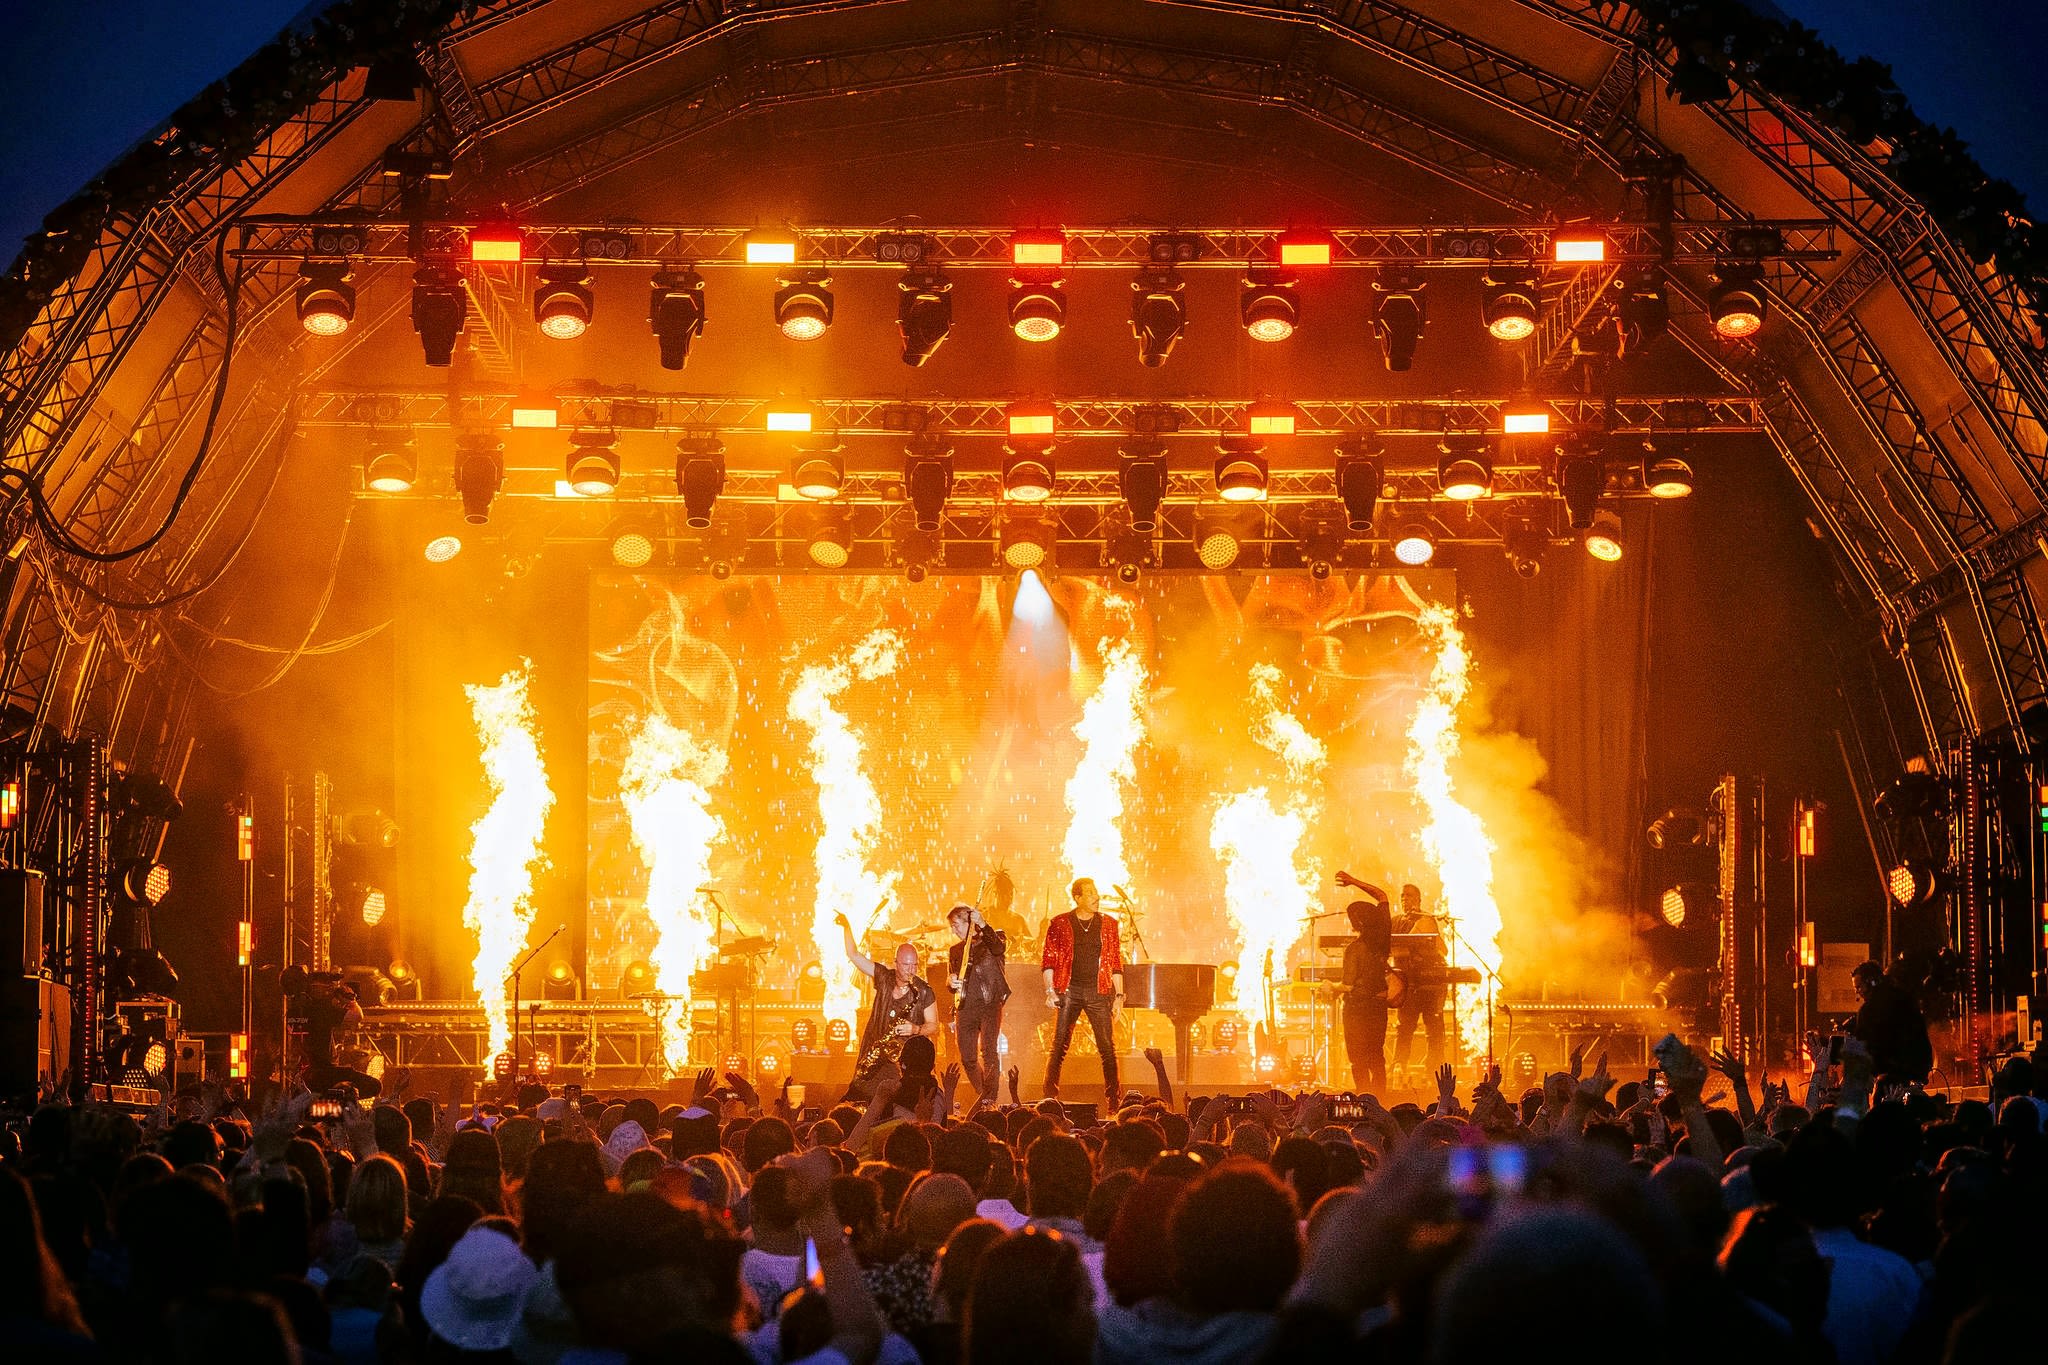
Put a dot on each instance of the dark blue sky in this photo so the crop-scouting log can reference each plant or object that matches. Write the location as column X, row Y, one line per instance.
column 80, row 82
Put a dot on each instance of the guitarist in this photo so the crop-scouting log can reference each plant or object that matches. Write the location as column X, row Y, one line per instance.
column 975, row 970
column 1365, row 985
column 904, row 1005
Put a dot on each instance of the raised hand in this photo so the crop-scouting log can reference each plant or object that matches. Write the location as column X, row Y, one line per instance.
column 1013, row 1078
column 1728, row 1064
column 1155, row 1056
column 1578, row 1060
column 1447, row 1083
column 1594, row 1088
column 705, row 1080
column 949, row 1079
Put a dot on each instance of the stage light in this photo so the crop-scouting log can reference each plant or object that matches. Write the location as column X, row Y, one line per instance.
column 928, row 482
column 1525, row 543
column 440, row 307
column 1305, row 249
column 1581, row 481
column 1510, row 304
column 838, row 1035
column 401, row 973
column 543, row 1064
column 1912, row 884
column 1217, row 541
column 479, row 474
column 818, row 474
column 1267, row 1065
column 143, row 881
column 1158, row 314
column 700, row 478
column 1603, row 537
column 1026, row 541
column 1464, row 471
column 558, row 981
column 1359, row 480
column 1227, row 1032
column 1736, row 303
column 502, row 1067
column 145, row 794
column 1645, row 306
column 771, row 251
column 1270, row 419
column 1031, row 419
column 1142, row 479
column 1268, row 309
column 788, row 419
column 1241, row 474
column 536, row 412
column 144, row 972
column 1524, row 418
column 562, row 301
column 1399, row 315
column 496, row 245
column 675, row 314
column 637, row 979
column 373, row 908
column 1227, row 974
column 632, row 549
column 768, row 1065
column 803, row 1034
column 326, row 299
column 1415, row 546
column 441, row 549
column 1033, row 604
column 1322, row 544
column 390, row 467
column 1667, row 475
column 367, row 827
column 924, row 314
column 1038, row 309
column 831, row 541
column 1028, row 476
column 1035, row 248
column 803, row 307
column 1579, row 247
column 592, row 466
column 1686, row 903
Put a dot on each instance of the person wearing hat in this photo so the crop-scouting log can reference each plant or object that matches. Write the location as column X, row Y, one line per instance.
column 473, row 1300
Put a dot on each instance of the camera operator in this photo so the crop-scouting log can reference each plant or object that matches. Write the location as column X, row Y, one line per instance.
column 329, row 1004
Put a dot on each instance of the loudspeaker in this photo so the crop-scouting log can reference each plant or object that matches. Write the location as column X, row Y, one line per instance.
column 35, row 1034
column 21, row 922
column 189, row 1066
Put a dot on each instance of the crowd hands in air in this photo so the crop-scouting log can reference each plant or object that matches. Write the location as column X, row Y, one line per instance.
column 1845, row 1218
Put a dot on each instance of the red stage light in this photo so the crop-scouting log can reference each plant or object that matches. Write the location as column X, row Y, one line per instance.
column 496, row 245
column 1038, row 249
column 1302, row 249
column 1032, row 420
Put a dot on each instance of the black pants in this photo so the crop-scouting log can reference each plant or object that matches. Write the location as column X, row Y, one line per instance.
column 1365, row 1043
column 979, row 1029
column 1098, row 1009
column 320, row 1079
column 1424, row 1006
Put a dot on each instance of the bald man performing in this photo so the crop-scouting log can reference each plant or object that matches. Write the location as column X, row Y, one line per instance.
column 904, row 1005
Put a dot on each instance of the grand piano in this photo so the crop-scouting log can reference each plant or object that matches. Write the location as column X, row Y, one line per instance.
column 1182, row 991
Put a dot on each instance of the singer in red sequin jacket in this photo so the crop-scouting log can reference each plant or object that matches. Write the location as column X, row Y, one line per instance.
column 1058, row 956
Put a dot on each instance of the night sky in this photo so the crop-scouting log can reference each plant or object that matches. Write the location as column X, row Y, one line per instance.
column 82, row 82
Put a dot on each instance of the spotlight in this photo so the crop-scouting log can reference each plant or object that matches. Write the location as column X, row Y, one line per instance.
column 146, row 794
column 1027, row 541
column 562, row 301
column 924, row 313
column 633, row 542
column 803, row 307
column 928, row 482
column 441, row 549
column 1464, row 471
column 803, row 1034
column 1359, row 480
column 1645, row 306
column 592, row 465
column 1226, row 1034
column 768, row 1065
column 1912, row 884
column 1159, row 314
column 1581, row 480
column 1269, row 309
column 1524, row 542
column 367, row 827
column 1142, row 478
column 637, row 979
column 1399, row 315
column 1736, row 302
column 502, row 1067
column 700, row 478
column 1511, row 304
column 810, row 985
column 675, row 314
column 1038, row 308
column 479, row 474
column 144, row 971
column 1268, row 1064
column 326, row 298
column 1241, row 474
column 831, row 541
column 1322, row 542
column 143, row 881
column 1603, row 537
column 1685, row 903
column 1667, row 475
column 838, row 1035
column 373, row 908
column 1415, row 546
column 543, row 1064
column 440, row 305
column 1028, row 475
column 818, row 474
column 1217, row 541
column 559, row 982
column 390, row 466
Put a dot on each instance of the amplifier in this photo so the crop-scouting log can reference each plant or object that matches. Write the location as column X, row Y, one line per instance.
column 21, row 922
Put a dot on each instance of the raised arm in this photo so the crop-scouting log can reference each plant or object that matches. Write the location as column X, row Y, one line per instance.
column 862, row 964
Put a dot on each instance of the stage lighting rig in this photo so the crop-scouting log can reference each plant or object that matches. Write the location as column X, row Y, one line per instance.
column 1219, row 539
column 142, row 881
column 326, row 297
column 1511, row 303
column 1241, row 472
column 562, row 301
column 479, row 474
column 1667, row 474
column 1268, row 308
column 700, row 478
column 818, row 474
column 1322, row 541
column 1038, row 306
column 928, row 481
column 803, row 306
column 592, row 466
column 1141, row 477
column 924, row 313
column 915, row 551
column 675, row 314
column 1736, row 303
column 1028, row 474
column 1464, row 470
column 1645, row 308
column 1581, row 482
column 830, row 542
column 633, row 539
column 441, row 549
column 1524, row 540
column 1159, row 314
column 1400, row 313
column 1027, row 540
column 1913, row 883
column 1603, row 537
column 1415, row 544
column 390, row 465
column 440, row 306
column 1359, row 480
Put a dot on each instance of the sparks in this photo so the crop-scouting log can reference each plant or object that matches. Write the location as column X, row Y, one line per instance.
column 505, row 850
column 1454, row 841
column 848, row 808
column 665, row 786
column 1111, row 727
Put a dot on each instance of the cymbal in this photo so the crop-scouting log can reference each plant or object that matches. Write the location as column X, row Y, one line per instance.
column 750, row 946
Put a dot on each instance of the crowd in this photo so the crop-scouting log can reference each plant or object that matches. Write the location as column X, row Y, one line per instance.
column 1851, row 1219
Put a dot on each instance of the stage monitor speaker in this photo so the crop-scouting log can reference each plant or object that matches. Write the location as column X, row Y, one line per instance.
column 21, row 922
column 189, row 1062
column 35, row 1035
column 820, row 1072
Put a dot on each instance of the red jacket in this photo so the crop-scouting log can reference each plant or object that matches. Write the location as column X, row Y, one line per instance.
column 1058, row 956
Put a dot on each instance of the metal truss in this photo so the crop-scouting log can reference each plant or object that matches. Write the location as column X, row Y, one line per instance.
column 1085, row 247
column 1355, row 418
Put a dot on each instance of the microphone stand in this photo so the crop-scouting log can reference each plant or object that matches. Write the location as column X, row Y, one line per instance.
column 517, row 968
column 1492, row 981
